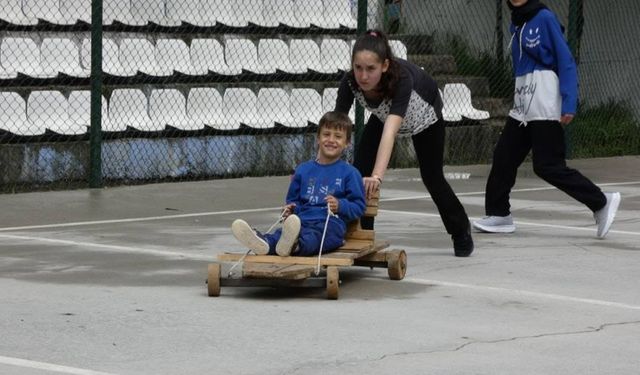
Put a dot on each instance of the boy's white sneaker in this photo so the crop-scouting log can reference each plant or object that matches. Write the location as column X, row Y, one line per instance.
column 604, row 216
column 495, row 224
column 249, row 237
column 289, row 237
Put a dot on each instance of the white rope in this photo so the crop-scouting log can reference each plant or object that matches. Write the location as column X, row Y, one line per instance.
column 324, row 232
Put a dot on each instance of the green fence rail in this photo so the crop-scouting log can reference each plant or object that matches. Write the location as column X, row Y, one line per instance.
column 107, row 92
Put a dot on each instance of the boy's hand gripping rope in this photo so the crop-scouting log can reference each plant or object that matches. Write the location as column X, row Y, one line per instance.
column 280, row 220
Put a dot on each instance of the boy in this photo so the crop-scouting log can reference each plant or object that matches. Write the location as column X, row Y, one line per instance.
column 316, row 184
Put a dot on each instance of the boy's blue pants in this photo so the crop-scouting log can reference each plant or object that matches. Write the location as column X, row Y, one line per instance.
column 311, row 236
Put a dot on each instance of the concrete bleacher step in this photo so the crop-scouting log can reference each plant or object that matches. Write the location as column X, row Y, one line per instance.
column 498, row 107
column 435, row 64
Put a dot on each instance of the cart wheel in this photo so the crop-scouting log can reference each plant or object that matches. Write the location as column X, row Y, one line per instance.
column 213, row 280
column 333, row 282
column 396, row 264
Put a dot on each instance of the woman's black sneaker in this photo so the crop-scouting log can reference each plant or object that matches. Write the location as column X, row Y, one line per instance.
column 462, row 244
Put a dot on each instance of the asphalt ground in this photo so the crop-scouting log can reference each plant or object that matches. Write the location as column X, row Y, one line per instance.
column 111, row 281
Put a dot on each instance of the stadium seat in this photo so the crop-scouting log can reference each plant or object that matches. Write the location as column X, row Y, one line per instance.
column 77, row 9
column 174, row 55
column 110, row 58
column 274, row 54
column 449, row 113
column 458, row 97
column 61, row 55
column 204, row 105
column 140, row 55
column 279, row 12
column 304, row 54
column 120, row 11
column 335, row 55
column 11, row 12
column 329, row 96
column 305, row 106
column 128, row 107
column 242, row 53
column 239, row 107
column 398, row 48
column 208, row 54
column 47, row 10
column 21, row 55
column 236, row 13
column 338, row 13
column 13, row 114
column 50, row 110
column 80, row 109
column 169, row 107
column 151, row 11
column 189, row 11
column 309, row 12
column 273, row 107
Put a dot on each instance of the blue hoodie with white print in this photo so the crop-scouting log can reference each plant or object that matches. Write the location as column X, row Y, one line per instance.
column 545, row 71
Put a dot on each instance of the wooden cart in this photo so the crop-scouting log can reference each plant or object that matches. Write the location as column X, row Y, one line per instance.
column 360, row 249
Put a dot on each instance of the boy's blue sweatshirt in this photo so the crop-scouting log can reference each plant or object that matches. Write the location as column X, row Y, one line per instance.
column 545, row 71
column 312, row 182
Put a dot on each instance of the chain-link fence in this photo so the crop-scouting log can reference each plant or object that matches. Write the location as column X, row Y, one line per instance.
column 198, row 89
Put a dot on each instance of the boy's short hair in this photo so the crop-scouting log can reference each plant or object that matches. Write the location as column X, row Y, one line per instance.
column 336, row 120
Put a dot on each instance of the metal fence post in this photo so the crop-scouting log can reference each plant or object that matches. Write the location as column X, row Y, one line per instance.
column 362, row 27
column 95, row 132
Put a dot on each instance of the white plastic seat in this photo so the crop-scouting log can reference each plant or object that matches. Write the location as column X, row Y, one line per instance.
column 242, row 53
column 329, row 97
column 449, row 113
column 190, row 11
column 50, row 110
column 151, row 11
column 237, row 13
column 13, row 114
column 47, row 10
column 128, row 107
column 174, row 55
column 398, row 48
column 61, row 55
column 120, row 10
column 276, row 12
column 80, row 109
column 110, row 58
column 21, row 55
column 458, row 97
column 305, row 106
column 273, row 107
column 11, row 11
column 304, row 54
column 205, row 106
column 169, row 107
column 335, row 55
column 208, row 54
column 338, row 13
column 239, row 107
column 77, row 9
column 309, row 12
column 140, row 55
column 274, row 54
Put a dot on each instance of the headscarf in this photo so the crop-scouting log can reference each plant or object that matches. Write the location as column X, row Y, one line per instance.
column 522, row 14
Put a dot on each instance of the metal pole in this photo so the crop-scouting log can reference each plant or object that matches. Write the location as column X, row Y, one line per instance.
column 499, row 32
column 362, row 27
column 95, row 132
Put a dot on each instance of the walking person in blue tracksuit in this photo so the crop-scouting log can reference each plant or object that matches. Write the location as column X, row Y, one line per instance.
column 545, row 99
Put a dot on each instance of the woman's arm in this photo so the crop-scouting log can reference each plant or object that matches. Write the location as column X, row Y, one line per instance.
column 391, row 127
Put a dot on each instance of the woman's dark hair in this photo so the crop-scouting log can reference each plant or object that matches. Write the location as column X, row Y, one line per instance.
column 377, row 42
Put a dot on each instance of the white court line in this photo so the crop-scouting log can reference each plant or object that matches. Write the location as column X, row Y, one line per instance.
column 517, row 222
column 526, row 293
column 126, row 249
column 48, row 366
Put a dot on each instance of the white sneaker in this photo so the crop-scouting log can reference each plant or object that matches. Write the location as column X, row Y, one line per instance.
column 249, row 237
column 495, row 224
column 604, row 216
column 289, row 237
